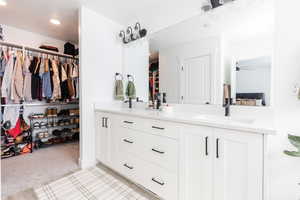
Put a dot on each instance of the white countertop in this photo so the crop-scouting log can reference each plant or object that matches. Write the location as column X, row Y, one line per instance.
column 254, row 125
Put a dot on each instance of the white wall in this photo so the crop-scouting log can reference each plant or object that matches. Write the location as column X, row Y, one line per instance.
column 100, row 59
column 136, row 63
column 171, row 60
column 30, row 39
column 284, row 170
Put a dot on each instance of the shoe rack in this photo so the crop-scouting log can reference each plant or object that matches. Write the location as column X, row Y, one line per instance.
column 53, row 127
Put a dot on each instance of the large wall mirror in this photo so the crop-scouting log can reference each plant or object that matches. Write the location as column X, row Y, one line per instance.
column 228, row 48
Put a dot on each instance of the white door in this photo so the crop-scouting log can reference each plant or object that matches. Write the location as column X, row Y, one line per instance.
column 197, row 80
column 198, row 163
column 238, row 166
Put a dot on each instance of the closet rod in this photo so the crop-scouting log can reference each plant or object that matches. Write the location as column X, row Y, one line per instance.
column 49, row 53
column 37, row 104
column 37, row 50
column 11, row 45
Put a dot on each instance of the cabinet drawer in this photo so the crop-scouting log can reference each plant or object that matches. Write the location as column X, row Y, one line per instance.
column 162, row 128
column 128, row 141
column 161, row 182
column 131, row 122
column 129, row 167
column 162, row 151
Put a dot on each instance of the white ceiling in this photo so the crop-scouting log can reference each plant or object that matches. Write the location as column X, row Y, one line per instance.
column 152, row 14
column 34, row 16
column 155, row 15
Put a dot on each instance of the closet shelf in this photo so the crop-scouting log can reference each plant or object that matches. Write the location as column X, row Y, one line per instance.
column 55, row 117
column 40, row 104
column 58, row 126
column 39, row 144
column 36, row 50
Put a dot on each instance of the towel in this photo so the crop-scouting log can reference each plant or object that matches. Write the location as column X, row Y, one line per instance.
column 130, row 90
column 119, row 90
column 226, row 92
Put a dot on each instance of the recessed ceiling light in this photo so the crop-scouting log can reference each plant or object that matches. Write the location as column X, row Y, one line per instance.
column 3, row 3
column 55, row 21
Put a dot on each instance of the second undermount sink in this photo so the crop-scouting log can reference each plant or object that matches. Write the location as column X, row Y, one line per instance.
column 217, row 118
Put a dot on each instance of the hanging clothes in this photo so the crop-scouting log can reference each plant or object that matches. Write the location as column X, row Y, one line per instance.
column 7, row 77
column 75, row 78
column 51, row 75
column 71, row 83
column 3, row 61
column 32, row 78
column 64, row 83
column 36, row 81
column 56, row 93
column 46, row 78
column 71, row 89
column 17, row 80
column 27, row 79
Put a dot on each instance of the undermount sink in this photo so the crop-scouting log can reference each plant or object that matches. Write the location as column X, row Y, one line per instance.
column 226, row 119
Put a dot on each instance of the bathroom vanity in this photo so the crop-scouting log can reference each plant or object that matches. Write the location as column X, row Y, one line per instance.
column 184, row 156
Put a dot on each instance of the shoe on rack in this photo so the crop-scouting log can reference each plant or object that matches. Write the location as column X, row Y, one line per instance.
column 74, row 112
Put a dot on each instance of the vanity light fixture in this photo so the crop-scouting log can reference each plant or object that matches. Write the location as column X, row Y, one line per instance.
column 122, row 35
column 3, row 3
column 55, row 21
column 132, row 34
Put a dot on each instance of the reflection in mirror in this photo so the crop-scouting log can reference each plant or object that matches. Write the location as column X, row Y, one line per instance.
column 192, row 60
column 253, row 82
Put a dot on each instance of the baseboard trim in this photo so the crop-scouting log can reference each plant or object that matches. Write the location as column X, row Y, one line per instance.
column 86, row 163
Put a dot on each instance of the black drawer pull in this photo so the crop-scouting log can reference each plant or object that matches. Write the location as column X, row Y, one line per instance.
column 128, row 141
column 106, row 119
column 103, row 122
column 129, row 167
column 206, row 146
column 159, row 128
column 158, row 182
column 161, row 152
column 217, row 148
column 128, row 122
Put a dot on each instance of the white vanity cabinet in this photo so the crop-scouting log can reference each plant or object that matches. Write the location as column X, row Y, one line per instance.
column 238, row 165
column 220, row 164
column 197, row 154
column 103, row 138
column 177, row 161
column 147, row 153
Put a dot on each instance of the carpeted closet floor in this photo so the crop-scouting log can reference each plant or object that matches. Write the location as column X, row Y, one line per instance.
column 31, row 170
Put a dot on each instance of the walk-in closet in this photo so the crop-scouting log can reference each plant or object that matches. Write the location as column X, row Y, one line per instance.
column 39, row 87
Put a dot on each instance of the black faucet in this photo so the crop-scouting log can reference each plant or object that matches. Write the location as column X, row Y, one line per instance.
column 158, row 99
column 129, row 101
column 227, row 106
